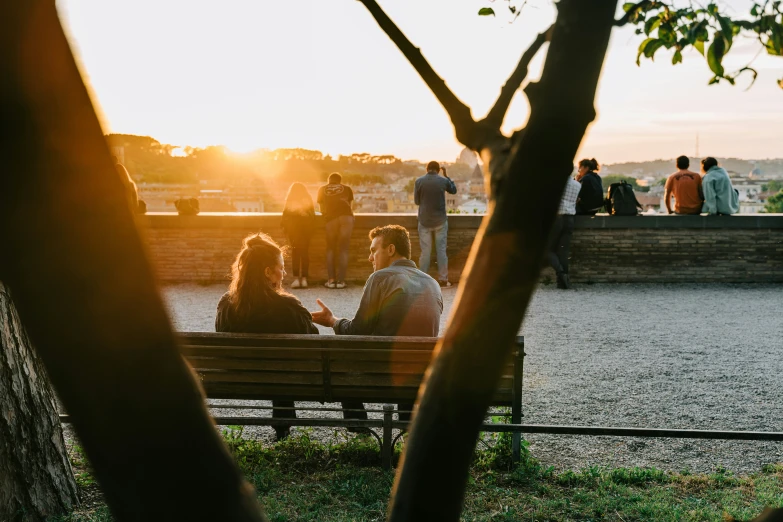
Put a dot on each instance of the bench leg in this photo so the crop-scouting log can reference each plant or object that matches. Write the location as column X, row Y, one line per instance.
column 516, row 443
column 516, row 404
column 386, row 448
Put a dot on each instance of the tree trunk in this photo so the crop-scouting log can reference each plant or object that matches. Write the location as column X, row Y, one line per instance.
column 527, row 180
column 82, row 284
column 36, row 480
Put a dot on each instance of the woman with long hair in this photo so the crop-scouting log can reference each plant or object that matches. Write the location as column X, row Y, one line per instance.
column 591, row 195
column 256, row 303
column 299, row 224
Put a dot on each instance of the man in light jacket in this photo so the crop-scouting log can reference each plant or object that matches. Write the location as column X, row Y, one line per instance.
column 720, row 197
column 398, row 300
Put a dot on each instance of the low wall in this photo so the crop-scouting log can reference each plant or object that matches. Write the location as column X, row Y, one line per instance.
column 743, row 248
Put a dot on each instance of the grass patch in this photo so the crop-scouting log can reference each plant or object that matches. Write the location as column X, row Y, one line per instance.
column 301, row 479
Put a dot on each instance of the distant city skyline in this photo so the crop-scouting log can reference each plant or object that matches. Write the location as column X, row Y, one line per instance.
column 323, row 76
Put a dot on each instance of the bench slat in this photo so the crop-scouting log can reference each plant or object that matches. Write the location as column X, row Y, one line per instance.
column 206, row 363
column 308, row 341
column 382, row 380
column 369, row 395
column 394, row 366
column 260, row 377
column 245, row 391
column 306, row 353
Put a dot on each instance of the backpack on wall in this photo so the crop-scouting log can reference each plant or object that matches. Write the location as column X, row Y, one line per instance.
column 621, row 200
column 187, row 206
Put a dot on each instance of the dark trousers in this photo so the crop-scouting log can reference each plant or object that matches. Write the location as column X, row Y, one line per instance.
column 560, row 243
column 355, row 405
column 300, row 256
column 283, row 414
column 338, row 239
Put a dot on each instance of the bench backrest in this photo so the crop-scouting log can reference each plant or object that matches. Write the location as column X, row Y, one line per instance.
column 325, row 368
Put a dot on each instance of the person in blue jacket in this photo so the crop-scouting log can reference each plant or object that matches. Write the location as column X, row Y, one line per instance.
column 720, row 196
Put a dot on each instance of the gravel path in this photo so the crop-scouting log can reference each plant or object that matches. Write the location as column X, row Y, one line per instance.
column 675, row 356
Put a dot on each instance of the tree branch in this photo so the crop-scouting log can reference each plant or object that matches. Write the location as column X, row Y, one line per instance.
column 630, row 13
column 464, row 124
column 498, row 112
column 503, row 268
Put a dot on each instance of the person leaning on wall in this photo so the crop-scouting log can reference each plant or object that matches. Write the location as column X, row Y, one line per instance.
column 685, row 186
column 720, row 196
column 591, row 194
column 136, row 205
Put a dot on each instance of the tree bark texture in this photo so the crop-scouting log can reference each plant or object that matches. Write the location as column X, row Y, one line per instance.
column 85, row 291
column 528, row 174
column 36, row 479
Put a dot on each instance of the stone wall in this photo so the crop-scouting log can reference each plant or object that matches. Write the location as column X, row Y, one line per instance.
column 604, row 249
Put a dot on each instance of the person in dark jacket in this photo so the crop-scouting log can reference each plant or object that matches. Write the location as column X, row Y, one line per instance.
column 591, row 195
column 336, row 202
column 256, row 303
column 299, row 224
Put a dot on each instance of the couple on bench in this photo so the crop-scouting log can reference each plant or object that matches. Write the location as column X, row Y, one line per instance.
column 398, row 299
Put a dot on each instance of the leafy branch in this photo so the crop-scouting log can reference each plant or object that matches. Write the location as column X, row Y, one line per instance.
column 707, row 29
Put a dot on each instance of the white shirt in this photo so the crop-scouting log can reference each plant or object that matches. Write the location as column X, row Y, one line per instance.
column 570, row 195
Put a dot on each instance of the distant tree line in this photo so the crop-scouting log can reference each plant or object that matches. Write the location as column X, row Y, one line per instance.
column 153, row 162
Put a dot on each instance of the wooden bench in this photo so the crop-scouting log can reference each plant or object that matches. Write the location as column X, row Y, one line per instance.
column 328, row 368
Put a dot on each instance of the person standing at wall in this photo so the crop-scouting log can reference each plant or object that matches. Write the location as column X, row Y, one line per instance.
column 429, row 194
column 299, row 223
column 720, row 196
column 131, row 190
column 562, row 230
column 591, row 195
column 335, row 201
column 685, row 186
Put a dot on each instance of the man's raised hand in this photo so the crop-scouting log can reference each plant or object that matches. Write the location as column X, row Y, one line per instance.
column 324, row 317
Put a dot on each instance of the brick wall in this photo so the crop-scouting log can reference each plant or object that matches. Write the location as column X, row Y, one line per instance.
column 604, row 249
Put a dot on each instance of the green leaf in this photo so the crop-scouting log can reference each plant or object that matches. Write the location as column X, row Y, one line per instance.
column 698, row 32
column 651, row 24
column 486, row 11
column 628, row 6
column 699, row 46
column 677, row 58
column 650, row 48
column 754, row 11
column 776, row 39
column 726, row 29
column 666, row 35
column 715, row 54
column 641, row 49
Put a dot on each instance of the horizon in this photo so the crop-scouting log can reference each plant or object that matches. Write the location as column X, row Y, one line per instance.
column 440, row 160
column 221, row 78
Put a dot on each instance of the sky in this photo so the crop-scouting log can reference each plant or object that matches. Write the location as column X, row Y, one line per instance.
column 320, row 74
